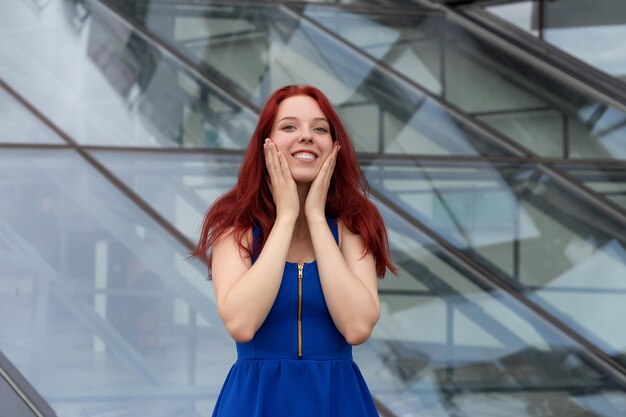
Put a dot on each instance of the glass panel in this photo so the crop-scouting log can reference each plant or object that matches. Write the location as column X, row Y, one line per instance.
column 591, row 31
column 579, row 28
column 439, row 332
column 104, row 84
column 446, row 347
column 512, row 221
column 18, row 125
column 521, row 13
column 100, row 310
column 180, row 186
column 535, row 109
column 609, row 181
column 256, row 49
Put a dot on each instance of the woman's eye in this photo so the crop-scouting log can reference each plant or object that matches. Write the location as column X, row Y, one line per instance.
column 321, row 130
column 288, row 127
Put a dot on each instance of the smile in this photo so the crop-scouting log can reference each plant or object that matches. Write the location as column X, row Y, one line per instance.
column 306, row 156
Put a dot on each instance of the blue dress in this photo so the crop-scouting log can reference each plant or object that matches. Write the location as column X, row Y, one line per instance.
column 297, row 364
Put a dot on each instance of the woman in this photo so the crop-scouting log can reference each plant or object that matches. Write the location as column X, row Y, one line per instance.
column 296, row 247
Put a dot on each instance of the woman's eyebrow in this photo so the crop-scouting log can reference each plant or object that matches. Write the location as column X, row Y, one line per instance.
column 323, row 119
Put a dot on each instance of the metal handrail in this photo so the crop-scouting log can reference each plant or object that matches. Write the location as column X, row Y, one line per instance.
column 23, row 389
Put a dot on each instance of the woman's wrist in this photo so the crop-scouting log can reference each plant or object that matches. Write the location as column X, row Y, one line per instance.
column 315, row 218
column 286, row 219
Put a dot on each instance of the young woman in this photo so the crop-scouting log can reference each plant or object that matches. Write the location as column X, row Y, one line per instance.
column 296, row 247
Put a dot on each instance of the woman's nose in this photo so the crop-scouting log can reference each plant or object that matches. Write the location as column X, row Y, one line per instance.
column 306, row 138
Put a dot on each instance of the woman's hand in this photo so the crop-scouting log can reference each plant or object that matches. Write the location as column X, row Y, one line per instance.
column 282, row 184
column 315, row 204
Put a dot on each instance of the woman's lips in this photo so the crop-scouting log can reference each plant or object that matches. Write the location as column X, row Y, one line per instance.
column 305, row 156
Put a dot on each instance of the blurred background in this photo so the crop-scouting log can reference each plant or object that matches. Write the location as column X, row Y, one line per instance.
column 493, row 136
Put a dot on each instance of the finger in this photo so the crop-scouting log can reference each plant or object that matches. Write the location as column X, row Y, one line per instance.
column 277, row 163
column 274, row 165
column 284, row 166
column 268, row 162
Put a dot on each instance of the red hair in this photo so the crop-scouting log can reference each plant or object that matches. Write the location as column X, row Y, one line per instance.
column 249, row 203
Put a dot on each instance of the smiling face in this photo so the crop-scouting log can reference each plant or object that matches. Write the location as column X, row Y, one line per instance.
column 302, row 133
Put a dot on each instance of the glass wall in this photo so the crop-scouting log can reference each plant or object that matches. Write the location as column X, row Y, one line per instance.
column 592, row 31
column 507, row 92
column 149, row 106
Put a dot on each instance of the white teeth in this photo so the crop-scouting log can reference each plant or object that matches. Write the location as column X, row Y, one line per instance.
column 304, row 155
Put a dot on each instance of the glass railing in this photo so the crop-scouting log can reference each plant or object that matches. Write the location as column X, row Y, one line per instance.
column 521, row 101
column 591, row 31
column 100, row 310
column 17, row 124
column 445, row 346
column 179, row 186
column 610, row 181
column 525, row 227
column 106, row 295
column 103, row 315
column 255, row 49
column 104, row 83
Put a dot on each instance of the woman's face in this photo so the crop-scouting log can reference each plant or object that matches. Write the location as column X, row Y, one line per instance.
column 302, row 133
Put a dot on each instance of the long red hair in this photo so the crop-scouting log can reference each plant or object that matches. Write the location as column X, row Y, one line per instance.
column 249, row 203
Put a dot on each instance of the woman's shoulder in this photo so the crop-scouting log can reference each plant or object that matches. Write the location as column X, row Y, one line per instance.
column 230, row 234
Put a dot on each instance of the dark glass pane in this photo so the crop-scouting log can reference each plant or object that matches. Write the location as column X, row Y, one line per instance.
column 608, row 181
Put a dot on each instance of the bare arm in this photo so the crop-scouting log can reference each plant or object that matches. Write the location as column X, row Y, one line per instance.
column 348, row 280
column 245, row 293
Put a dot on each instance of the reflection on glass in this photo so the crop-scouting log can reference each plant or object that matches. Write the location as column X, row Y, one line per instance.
column 442, row 342
column 536, row 109
column 610, row 182
column 100, row 310
column 521, row 13
column 180, row 186
column 445, row 347
column 18, row 125
column 255, row 49
column 520, row 224
column 591, row 31
column 103, row 83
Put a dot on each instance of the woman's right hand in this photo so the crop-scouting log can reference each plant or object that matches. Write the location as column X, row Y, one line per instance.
column 282, row 184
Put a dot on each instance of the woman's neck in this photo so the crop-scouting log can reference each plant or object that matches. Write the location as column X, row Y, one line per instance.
column 301, row 228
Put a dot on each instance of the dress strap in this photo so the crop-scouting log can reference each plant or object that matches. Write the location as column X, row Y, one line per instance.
column 332, row 223
column 257, row 238
column 256, row 242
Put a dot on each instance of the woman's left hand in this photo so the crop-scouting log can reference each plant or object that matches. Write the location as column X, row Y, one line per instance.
column 315, row 204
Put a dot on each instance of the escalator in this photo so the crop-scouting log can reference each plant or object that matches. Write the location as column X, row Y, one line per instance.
column 470, row 326
column 588, row 32
column 391, row 45
column 580, row 40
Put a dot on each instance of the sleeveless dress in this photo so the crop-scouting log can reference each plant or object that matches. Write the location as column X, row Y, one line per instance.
column 297, row 364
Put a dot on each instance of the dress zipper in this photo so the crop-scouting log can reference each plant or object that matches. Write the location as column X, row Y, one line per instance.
column 300, row 268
